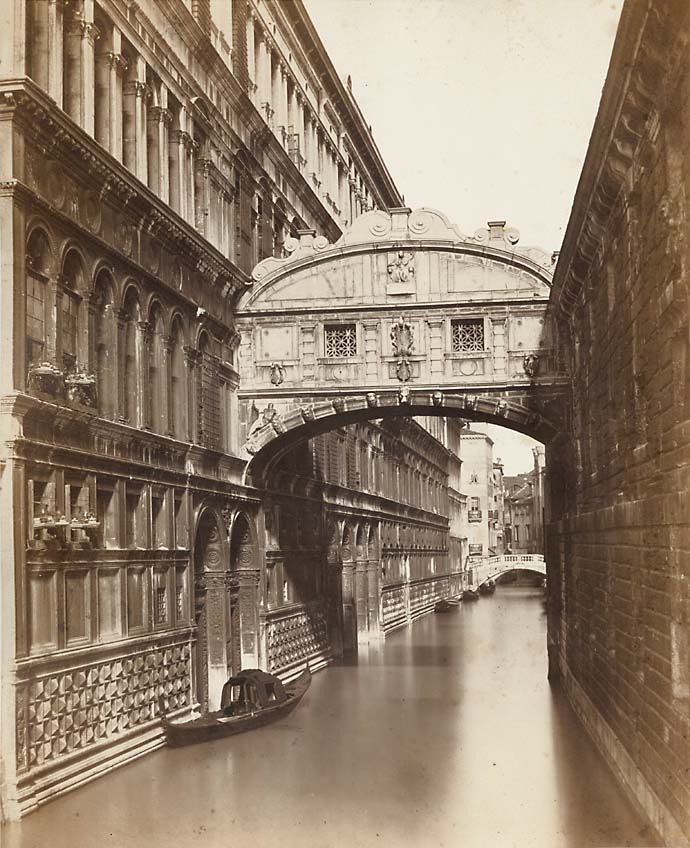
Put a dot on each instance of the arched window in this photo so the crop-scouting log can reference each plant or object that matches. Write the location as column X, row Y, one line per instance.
column 132, row 387
column 208, row 397
column 37, row 312
column 178, row 383
column 158, row 418
column 72, row 283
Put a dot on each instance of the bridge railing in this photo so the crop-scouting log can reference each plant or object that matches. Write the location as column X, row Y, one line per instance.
column 484, row 568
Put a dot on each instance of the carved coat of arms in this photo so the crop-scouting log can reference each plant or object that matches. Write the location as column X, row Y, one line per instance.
column 401, row 269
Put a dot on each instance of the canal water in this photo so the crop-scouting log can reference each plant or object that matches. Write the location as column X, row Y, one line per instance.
column 447, row 734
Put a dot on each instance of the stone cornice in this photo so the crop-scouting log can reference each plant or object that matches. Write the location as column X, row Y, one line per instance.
column 638, row 75
column 55, row 134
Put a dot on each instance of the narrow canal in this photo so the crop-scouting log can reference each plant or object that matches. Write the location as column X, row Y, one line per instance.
column 448, row 734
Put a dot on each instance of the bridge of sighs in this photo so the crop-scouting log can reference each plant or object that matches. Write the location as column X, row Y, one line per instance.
column 403, row 315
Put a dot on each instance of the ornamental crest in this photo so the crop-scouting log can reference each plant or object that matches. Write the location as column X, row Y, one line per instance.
column 402, row 338
column 401, row 269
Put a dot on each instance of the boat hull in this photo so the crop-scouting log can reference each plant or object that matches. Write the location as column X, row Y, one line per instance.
column 213, row 726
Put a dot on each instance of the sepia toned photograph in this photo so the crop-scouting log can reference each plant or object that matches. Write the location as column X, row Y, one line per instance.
column 345, row 423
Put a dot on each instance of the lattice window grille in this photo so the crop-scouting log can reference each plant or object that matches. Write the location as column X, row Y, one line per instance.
column 341, row 341
column 468, row 335
column 161, row 605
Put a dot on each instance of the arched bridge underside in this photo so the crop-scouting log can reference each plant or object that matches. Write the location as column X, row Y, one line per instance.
column 402, row 316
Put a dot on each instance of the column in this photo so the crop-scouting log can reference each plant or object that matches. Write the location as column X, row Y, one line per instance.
column 55, row 25
column 117, row 66
column 89, row 35
column 140, row 128
column 263, row 72
column 191, row 148
column 163, row 159
column 283, row 104
column 251, row 56
column 71, row 95
column 373, row 568
column 144, row 331
column 214, row 584
column 103, row 99
column 119, row 406
column 178, row 157
column 248, row 601
column 276, row 92
column 154, row 119
column 361, row 600
column 38, row 46
column 306, row 137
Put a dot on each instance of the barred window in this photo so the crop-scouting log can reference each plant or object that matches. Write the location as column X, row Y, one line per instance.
column 209, row 422
column 341, row 341
column 467, row 335
column 70, row 311
column 35, row 319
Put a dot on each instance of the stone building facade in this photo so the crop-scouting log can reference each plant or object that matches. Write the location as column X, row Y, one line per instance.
column 619, row 545
column 152, row 153
column 483, row 485
column 524, row 508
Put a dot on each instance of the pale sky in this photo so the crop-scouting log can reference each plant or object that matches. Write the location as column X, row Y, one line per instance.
column 481, row 108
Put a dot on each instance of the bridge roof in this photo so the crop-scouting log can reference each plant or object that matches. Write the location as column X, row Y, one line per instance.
column 400, row 258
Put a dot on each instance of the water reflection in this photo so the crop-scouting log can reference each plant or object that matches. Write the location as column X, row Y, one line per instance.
column 447, row 734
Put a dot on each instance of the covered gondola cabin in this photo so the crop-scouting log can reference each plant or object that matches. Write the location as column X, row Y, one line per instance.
column 251, row 690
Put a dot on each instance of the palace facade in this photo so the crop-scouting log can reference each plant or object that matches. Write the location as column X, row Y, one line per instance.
column 153, row 153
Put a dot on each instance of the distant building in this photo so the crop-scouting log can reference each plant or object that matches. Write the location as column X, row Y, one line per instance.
column 524, row 508
column 483, row 484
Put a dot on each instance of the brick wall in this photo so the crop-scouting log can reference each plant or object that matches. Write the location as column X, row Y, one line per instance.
column 621, row 546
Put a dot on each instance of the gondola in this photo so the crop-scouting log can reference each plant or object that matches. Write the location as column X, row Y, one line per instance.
column 446, row 605
column 250, row 699
column 470, row 595
column 487, row 588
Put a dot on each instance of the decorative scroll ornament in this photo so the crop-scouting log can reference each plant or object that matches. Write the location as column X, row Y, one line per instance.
column 530, row 363
column 277, row 373
column 401, row 269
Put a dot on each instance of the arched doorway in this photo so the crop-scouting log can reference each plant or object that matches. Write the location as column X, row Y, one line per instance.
column 213, row 626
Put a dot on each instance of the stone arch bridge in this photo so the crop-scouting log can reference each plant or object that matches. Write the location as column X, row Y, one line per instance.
column 403, row 315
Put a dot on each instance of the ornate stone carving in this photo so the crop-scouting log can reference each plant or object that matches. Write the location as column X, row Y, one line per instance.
column 530, row 364
column 68, row 711
column 295, row 639
column 402, row 337
column 269, row 417
column 277, row 373
column 371, row 399
column 401, row 269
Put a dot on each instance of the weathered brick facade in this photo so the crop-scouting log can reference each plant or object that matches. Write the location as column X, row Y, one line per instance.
column 620, row 541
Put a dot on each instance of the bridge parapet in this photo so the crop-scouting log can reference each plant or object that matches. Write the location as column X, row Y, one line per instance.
column 482, row 569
